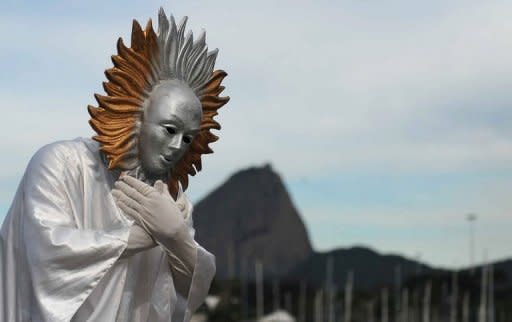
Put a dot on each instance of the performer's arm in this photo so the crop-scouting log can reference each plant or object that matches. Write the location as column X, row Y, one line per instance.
column 155, row 210
column 182, row 256
column 138, row 241
column 182, row 260
column 64, row 262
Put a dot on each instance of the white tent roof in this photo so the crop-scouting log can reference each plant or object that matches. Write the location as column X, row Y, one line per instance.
column 212, row 301
column 278, row 316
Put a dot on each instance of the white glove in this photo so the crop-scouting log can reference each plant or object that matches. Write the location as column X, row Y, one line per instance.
column 151, row 207
column 138, row 240
column 154, row 209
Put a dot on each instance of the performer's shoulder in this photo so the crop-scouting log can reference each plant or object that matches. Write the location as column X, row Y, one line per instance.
column 65, row 151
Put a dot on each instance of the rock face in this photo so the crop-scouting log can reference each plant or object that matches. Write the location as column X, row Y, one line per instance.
column 251, row 217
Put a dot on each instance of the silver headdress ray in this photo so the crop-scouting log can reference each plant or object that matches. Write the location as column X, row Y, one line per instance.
column 182, row 58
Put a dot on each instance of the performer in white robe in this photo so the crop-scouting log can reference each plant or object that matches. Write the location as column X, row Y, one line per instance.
column 94, row 233
column 62, row 242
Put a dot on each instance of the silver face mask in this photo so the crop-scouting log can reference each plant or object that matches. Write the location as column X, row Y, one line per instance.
column 172, row 118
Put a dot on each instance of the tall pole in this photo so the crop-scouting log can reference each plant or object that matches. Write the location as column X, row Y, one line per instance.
column 349, row 285
column 416, row 310
column 288, row 306
column 244, row 289
column 482, row 311
column 415, row 313
column 454, row 298
column 276, row 294
column 302, row 302
column 465, row 307
column 329, row 291
column 426, row 302
column 384, row 313
column 319, row 306
column 471, row 218
column 398, row 286
column 370, row 309
column 259, row 289
column 491, row 294
column 405, row 305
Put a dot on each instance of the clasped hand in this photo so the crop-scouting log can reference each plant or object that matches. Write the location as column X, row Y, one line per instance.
column 152, row 208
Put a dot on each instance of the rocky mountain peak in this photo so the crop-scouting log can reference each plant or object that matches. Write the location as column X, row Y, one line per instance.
column 251, row 217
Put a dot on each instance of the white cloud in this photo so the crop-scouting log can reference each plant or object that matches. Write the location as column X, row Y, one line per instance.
column 339, row 89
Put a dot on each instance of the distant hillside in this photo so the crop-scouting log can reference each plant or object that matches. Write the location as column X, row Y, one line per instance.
column 370, row 269
column 251, row 217
column 503, row 271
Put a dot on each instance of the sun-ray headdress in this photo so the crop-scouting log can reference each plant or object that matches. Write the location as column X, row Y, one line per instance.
column 153, row 58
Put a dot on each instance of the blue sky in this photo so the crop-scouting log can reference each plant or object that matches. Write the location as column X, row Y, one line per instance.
column 388, row 121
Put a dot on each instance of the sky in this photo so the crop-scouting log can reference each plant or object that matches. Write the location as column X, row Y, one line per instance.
column 389, row 121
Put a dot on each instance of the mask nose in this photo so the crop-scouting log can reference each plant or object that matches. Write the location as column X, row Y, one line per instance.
column 176, row 142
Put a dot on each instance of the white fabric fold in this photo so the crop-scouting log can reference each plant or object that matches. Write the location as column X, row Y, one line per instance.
column 61, row 244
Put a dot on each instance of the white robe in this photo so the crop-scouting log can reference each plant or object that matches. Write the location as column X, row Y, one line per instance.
column 60, row 248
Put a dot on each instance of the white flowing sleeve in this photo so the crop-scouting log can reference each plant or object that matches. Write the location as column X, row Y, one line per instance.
column 199, row 277
column 202, row 277
column 66, row 262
